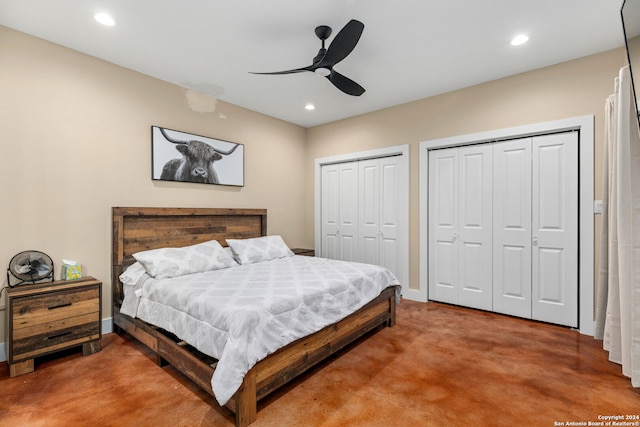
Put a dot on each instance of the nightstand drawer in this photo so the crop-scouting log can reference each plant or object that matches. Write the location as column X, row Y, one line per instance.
column 42, row 339
column 37, row 310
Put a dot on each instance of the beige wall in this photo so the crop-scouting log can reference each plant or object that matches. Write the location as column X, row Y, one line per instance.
column 76, row 141
column 571, row 89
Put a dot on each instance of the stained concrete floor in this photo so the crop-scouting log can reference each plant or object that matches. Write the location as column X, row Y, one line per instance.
column 439, row 366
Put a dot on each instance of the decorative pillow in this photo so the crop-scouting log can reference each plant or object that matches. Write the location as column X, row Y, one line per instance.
column 174, row 262
column 250, row 251
column 132, row 274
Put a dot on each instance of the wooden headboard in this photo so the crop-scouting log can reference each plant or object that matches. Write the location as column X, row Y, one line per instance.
column 141, row 229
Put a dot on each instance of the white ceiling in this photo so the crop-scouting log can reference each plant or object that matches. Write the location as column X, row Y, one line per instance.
column 410, row 49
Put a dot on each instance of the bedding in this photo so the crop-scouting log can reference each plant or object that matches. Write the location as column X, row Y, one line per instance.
column 132, row 274
column 132, row 280
column 239, row 315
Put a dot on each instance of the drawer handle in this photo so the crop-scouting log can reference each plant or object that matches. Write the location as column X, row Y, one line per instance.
column 50, row 337
column 53, row 307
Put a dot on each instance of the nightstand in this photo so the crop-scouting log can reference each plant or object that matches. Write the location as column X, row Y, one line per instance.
column 44, row 318
column 302, row 251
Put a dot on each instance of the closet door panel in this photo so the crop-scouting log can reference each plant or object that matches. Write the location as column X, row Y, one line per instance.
column 516, row 284
column 549, row 276
column 512, row 227
column 330, row 204
column 443, row 226
column 473, row 291
column 389, row 213
column 555, row 229
column 348, row 211
column 475, row 226
column 369, row 215
column 339, row 211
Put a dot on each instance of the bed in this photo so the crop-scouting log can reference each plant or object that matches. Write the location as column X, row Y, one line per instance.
column 143, row 229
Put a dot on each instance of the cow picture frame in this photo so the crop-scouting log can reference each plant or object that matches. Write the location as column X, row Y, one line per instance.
column 185, row 157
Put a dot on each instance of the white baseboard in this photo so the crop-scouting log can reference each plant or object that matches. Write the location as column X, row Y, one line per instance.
column 415, row 295
column 107, row 327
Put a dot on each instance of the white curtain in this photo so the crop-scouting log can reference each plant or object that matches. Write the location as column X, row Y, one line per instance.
column 618, row 300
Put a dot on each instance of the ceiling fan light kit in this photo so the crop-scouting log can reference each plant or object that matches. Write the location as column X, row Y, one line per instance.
column 324, row 72
column 341, row 46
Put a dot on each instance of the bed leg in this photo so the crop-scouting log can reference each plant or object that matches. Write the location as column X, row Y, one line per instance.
column 246, row 401
column 161, row 361
column 392, row 311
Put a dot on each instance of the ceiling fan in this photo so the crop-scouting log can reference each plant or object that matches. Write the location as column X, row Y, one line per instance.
column 341, row 46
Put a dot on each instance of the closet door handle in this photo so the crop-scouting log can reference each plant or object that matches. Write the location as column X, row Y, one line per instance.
column 455, row 236
column 534, row 241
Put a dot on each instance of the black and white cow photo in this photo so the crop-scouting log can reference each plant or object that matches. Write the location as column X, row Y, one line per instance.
column 180, row 156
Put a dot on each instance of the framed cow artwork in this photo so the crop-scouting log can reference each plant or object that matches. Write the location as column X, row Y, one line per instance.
column 185, row 157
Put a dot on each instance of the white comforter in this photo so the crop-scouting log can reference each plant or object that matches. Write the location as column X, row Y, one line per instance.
column 241, row 314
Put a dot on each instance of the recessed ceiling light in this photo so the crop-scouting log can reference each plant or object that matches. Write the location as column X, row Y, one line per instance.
column 519, row 39
column 309, row 107
column 104, row 19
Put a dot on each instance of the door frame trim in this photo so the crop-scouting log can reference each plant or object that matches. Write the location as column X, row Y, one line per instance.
column 398, row 150
column 585, row 126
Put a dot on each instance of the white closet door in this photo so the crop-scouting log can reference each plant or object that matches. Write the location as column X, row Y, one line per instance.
column 348, row 212
column 503, row 227
column 443, row 225
column 555, row 229
column 339, row 211
column 475, row 226
column 329, row 207
column 369, row 215
column 390, row 250
column 512, row 227
column 379, row 212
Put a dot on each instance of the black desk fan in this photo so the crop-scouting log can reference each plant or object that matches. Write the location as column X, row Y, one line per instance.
column 30, row 267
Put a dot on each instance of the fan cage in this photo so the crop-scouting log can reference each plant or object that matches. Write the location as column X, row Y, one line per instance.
column 32, row 276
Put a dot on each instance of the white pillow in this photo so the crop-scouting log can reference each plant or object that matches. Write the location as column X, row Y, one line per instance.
column 250, row 251
column 174, row 262
column 132, row 274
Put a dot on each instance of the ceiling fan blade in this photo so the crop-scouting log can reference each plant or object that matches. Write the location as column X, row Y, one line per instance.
column 343, row 43
column 297, row 70
column 345, row 84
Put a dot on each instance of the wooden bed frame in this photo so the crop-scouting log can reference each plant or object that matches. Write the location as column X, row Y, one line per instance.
column 138, row 229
